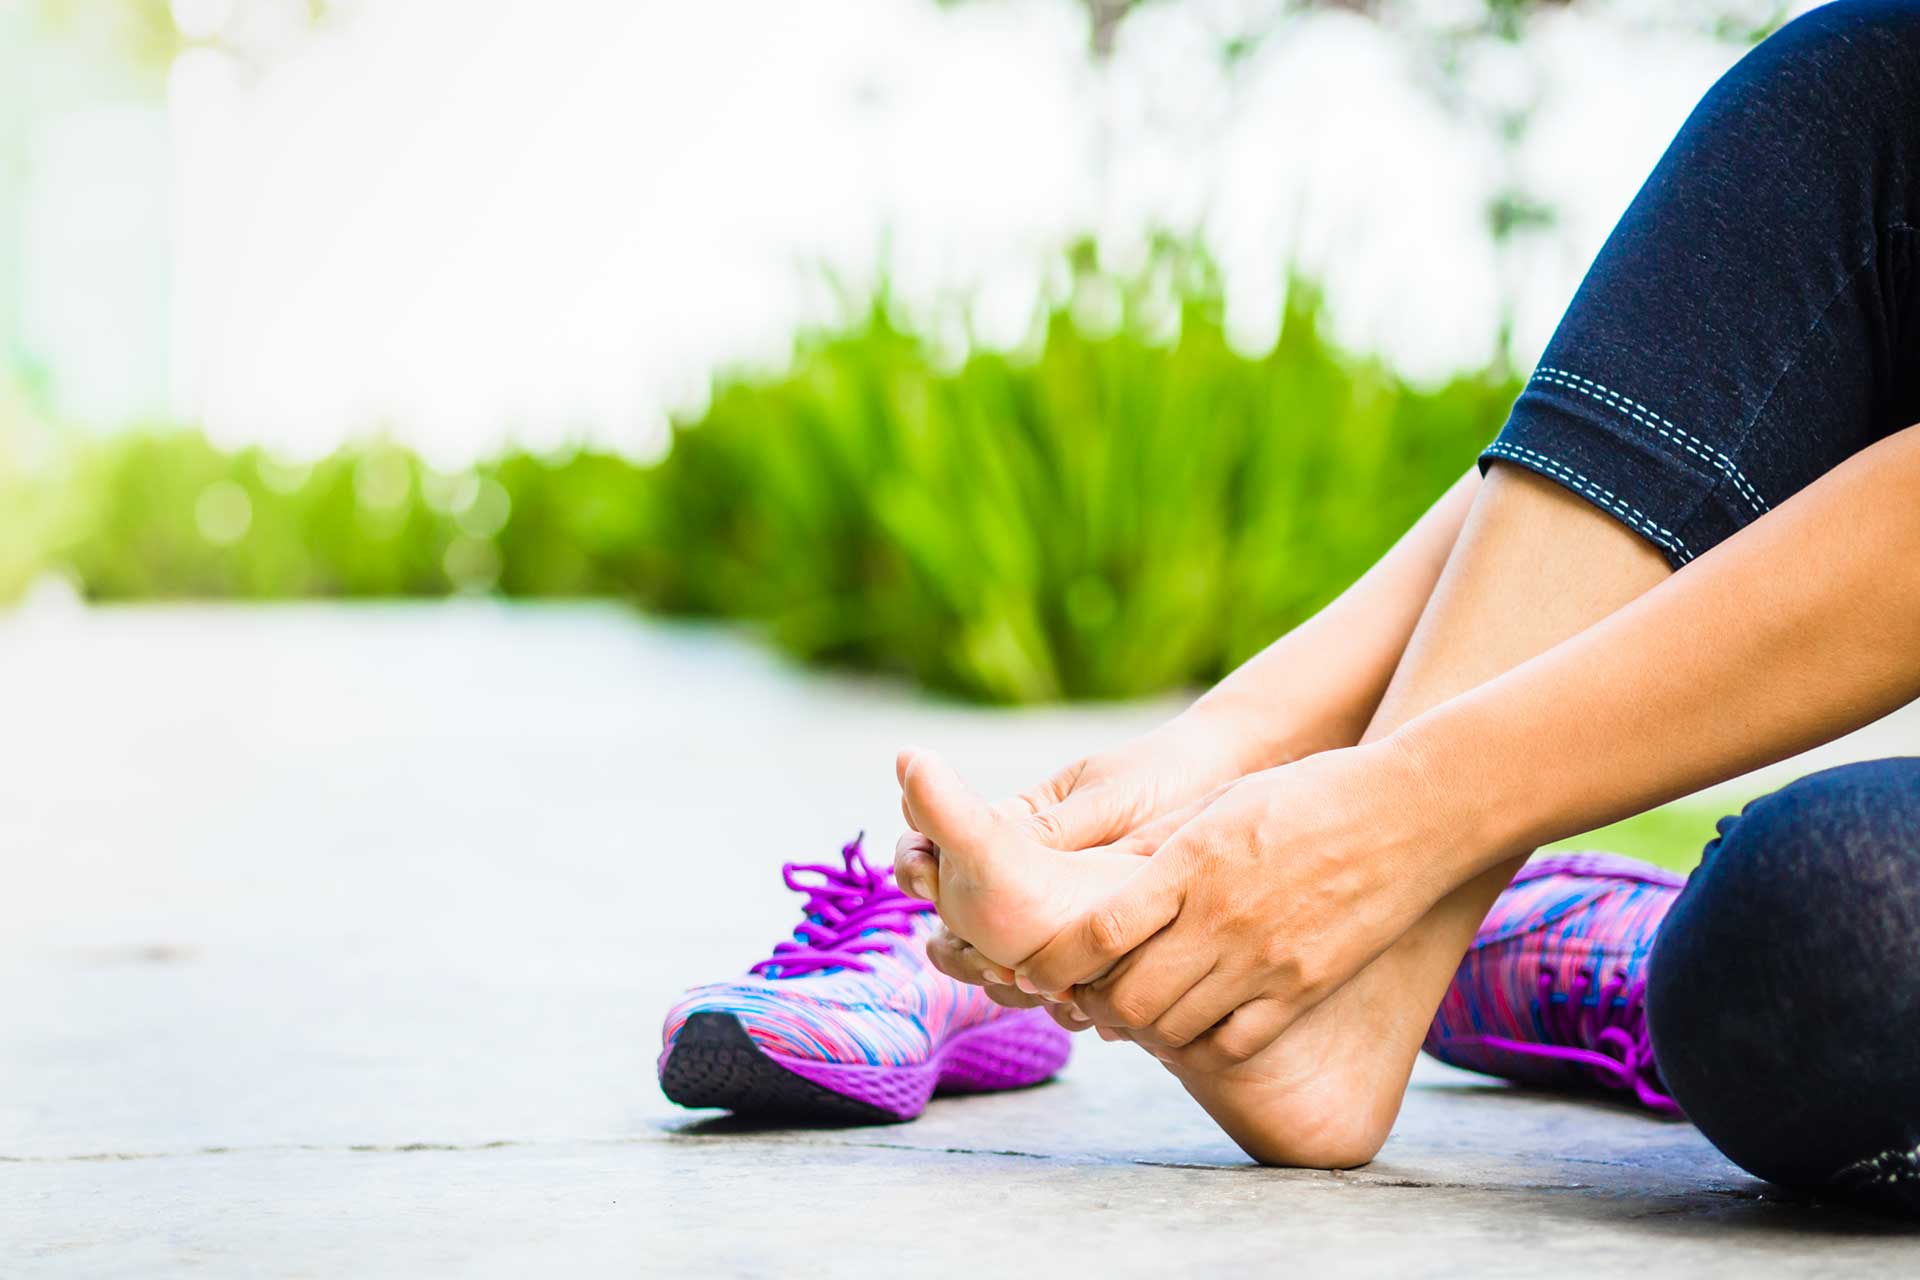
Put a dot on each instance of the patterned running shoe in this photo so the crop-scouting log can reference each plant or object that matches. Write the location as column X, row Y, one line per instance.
column 1553, row 990
column 848, row 1021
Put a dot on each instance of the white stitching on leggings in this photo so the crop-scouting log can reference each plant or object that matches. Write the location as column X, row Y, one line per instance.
column 1613, row 399
column 1634, row 517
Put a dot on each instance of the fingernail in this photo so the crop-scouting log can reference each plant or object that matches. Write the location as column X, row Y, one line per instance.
column 999, row 977
column 1021, row 981
column 1073, row 1007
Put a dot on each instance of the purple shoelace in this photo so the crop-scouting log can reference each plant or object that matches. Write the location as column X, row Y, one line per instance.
column 1623, row 1053
column 848, row 911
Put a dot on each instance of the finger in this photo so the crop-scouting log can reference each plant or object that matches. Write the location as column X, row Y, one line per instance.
column 1051, row 792
column 1070, row 1017
column 947, row 952
column 1090, row 945
column 1206, row 1004
column 949, row 812
column 1011, row 997
column 1140, row 996
column 1239, row 1037
column 1145, row 1041
column 1145, row 841
column 916, row 866
column 1082, row 820
column 957, row 959
column 1148, row 837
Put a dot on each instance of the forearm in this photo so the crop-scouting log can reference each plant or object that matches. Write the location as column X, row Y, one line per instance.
column 1316, row 687
column 1800, row 628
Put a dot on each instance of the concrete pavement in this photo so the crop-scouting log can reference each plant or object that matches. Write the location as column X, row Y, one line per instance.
column 335, row 940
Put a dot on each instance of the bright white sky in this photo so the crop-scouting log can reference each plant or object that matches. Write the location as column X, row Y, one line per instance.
column 462, row 219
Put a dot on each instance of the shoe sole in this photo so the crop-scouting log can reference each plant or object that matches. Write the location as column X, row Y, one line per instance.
column 715, row 1063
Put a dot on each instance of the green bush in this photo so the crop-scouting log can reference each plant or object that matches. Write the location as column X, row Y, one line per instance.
column 1119, row 515
column 1134, row 505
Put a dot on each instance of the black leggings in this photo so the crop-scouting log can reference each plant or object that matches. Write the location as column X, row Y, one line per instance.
column 1752, row 322
column 1783, row 992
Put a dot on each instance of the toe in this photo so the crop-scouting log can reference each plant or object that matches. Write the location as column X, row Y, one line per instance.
column 945, row 809
column 916, row 867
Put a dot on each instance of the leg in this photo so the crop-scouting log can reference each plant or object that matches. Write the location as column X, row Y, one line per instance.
column 1533, row 566
column 1798, row 176
column 1783, row 995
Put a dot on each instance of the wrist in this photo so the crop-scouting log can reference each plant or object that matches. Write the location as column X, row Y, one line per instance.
column 1257, row 732
column 1456, row 803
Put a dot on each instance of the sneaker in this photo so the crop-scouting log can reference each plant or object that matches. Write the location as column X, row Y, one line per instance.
column 848, row 1021
column 1553, row 990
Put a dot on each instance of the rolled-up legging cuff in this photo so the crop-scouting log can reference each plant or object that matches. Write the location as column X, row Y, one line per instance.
column 1631, row 474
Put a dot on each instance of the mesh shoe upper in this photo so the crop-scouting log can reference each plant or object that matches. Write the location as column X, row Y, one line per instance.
column 1552, row 991
column 854, row 985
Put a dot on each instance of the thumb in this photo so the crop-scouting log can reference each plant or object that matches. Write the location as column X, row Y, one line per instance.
column 1089, row 946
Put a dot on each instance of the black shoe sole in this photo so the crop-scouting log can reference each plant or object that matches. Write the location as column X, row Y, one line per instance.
column 715, row 1063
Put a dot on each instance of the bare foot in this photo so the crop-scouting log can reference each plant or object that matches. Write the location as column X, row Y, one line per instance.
column 1006, row 894
column 1326, row 1093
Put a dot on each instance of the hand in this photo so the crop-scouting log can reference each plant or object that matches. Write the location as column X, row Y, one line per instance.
column 1259, row 905
column 1097, row 800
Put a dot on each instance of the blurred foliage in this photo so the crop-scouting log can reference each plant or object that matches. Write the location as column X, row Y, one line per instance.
column 1241, row 27
column 144, row 36
column 32, row 488
column 1671, row 836
column 1131, row 504
column 137, row 34
column 1126, row 512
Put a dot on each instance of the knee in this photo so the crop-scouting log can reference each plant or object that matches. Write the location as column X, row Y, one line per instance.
column 1854, row 829
column 1840, row 19
column 1858, row 31
column 1834, row 87
column 1783, row 997
column 1856, row 53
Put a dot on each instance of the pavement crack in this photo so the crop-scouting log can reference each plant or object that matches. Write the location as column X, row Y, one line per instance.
column 358, row 1148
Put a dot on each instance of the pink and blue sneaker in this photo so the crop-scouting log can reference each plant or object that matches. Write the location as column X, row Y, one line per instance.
column 848, row 1021
column 1553, row 990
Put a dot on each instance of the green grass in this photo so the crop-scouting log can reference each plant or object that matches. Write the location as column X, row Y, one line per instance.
column 1128, row 506
column 1671, row 836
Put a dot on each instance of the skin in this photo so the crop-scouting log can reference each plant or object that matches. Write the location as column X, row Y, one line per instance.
column 1285, row 944
column 1313, row 689
column 1326, row 1092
